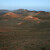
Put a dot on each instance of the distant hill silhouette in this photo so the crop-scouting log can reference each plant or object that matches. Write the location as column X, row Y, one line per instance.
column 24, row 13
column 3, row 12
column 20, row 11
column 23, row 19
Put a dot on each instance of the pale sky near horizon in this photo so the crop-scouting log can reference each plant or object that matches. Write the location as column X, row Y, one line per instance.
column 43, row 5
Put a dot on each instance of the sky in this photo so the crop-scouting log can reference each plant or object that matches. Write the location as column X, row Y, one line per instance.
column 38, row 5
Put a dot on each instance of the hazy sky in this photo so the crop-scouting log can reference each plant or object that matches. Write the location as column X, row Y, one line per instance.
column 26, row 4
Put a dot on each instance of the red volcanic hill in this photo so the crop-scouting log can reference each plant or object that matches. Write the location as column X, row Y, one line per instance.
column 37, row 13
column 11, row 15
column 48, row 13
column 31, row 18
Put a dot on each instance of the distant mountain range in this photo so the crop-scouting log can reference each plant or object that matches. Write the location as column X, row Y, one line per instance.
column 23, row 19
column 20, row 11
column 23, row 13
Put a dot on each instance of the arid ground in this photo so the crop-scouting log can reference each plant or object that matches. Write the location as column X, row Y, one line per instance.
column 24, row 30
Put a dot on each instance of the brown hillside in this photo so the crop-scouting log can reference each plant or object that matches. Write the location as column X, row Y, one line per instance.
column 31, row 18
column 12, row 15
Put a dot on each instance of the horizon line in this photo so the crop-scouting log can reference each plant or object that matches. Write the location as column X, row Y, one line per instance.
column 24, row 9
